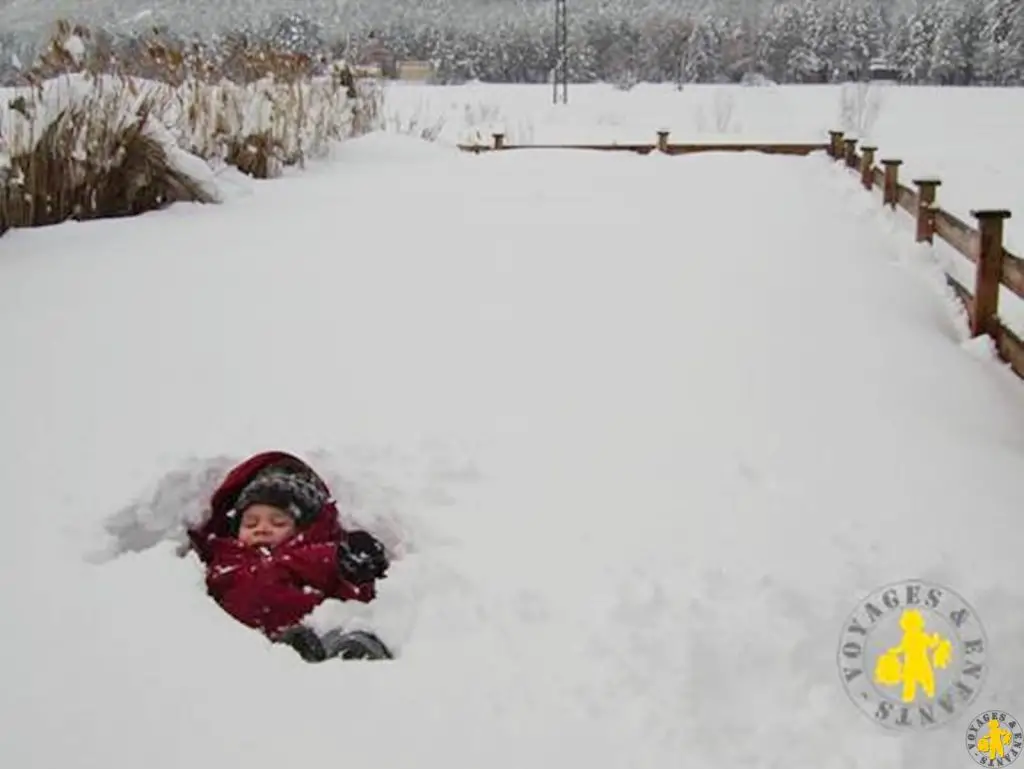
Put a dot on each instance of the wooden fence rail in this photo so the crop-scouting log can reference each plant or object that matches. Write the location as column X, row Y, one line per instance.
column 662, row 145
column 983, row 245
column 994, row 265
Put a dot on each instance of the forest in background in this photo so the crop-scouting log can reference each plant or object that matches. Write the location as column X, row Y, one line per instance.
column 944, row 42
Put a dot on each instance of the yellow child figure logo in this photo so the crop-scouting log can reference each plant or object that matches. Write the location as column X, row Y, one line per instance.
column 921, row 652
column 995, row 742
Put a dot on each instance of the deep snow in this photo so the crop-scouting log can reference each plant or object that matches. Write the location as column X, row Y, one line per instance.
column 642, row 432
column 968, row 137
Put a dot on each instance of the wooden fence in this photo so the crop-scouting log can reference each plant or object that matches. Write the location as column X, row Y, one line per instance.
column 662, row 145
column 994, row 265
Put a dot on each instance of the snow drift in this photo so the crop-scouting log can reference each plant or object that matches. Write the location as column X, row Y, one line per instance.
column 638, row 462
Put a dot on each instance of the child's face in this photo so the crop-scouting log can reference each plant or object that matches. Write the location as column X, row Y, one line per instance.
column 265, row 525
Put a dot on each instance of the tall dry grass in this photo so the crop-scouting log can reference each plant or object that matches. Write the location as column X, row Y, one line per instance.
column 91, row 134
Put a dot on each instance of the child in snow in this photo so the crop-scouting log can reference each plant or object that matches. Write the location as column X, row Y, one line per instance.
column 274, row 550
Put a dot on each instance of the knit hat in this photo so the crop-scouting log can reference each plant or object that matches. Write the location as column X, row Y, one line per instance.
column 301, row 495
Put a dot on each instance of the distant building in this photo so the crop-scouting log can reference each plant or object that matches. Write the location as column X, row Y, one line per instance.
column 882, row 69
column 421, row 71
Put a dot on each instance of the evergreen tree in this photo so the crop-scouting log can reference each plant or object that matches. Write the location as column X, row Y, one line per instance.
column 961, row 42
column 1001, row 49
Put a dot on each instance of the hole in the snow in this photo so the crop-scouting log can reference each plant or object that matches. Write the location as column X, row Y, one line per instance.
column 377, row 505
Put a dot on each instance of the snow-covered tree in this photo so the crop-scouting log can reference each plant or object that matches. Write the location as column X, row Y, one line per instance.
column 927, row 41
column 701, row 60
column 1001, row 49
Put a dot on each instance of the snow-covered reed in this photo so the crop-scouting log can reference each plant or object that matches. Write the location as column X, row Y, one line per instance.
column 83, row 139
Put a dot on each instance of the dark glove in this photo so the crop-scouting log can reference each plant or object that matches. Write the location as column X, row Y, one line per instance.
column 361, row 558
column 305, row 642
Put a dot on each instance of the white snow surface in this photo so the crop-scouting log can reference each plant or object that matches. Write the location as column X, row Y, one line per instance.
column 967, row 137
column 639, row 432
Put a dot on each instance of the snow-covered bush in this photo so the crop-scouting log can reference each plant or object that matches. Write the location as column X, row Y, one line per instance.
column 84, row 139
column 625, row 80
column 91, row 157
column 418, row 124
column 859, row 105
column 723, row 104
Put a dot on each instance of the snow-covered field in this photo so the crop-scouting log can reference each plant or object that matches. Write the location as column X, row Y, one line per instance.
column 637, row 464
column 969, row 137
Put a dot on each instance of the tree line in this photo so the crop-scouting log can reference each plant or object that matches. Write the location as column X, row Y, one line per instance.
column 945, row 42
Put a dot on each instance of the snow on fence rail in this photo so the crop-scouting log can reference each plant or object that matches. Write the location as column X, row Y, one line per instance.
column 994, row 265
column 661, row 145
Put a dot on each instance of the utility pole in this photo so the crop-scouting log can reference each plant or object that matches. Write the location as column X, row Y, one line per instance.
column 560, row 72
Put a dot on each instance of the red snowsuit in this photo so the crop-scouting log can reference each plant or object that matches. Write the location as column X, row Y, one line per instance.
column 271, row 588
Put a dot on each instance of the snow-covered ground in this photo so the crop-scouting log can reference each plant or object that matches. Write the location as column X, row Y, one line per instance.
column 638, row 462
column 969, row 137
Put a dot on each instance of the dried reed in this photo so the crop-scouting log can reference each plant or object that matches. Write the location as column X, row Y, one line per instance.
column 93, row 135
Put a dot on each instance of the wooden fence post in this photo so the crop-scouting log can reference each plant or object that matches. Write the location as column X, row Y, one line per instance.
column 984, row 319
column 926, row 209
column 867, row 167
column 850, row 152
column 499, row 141
column 890, row 190
column 663, row 141
column 836, row 145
